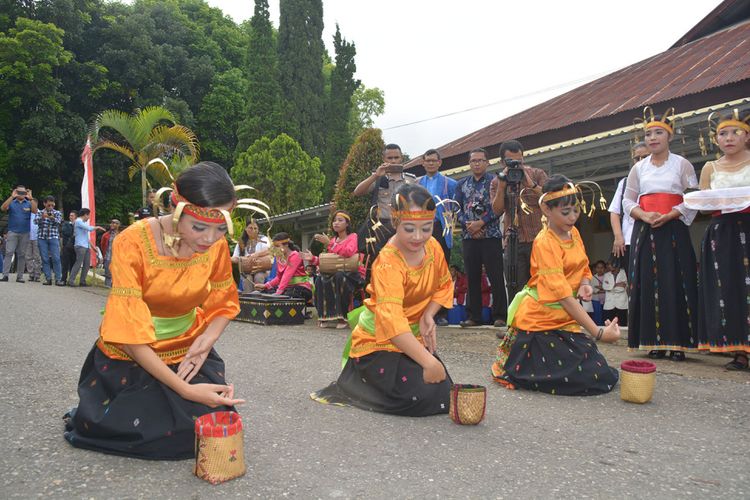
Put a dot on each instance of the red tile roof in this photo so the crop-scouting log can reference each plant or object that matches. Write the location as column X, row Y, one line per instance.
column 719, row 59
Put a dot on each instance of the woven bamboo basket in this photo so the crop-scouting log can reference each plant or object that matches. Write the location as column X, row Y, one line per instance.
column 637, row 379
column 468, row 403
column 219, row 447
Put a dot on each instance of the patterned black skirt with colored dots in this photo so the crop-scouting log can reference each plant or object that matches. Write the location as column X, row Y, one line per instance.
column 387, row 382
column 558, row 362
column 123, row 410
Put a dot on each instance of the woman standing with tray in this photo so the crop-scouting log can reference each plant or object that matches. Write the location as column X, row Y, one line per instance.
column 153, row 370
column 724, row 325
column 334, row 292
column 663, row 306
column 389, row 363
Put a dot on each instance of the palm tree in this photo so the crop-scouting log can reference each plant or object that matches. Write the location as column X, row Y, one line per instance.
column 147, row 134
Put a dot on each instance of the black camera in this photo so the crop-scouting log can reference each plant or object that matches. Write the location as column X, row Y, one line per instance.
column 515, row 173
column 478, row 209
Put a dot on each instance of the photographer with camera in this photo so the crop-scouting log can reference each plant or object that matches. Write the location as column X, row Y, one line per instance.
column 20, row 205
column 380, row 185
column 517, row 182
column 48, row 240
column 482, row 239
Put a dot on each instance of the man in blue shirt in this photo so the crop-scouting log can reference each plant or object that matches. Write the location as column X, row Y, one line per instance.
column 441, row 188
column 83, row 255
column 20, row 205
column 482, row 239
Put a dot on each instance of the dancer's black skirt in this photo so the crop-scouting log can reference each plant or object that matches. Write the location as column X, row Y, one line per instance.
column 724, row 323
column 387, row 382
column 123, row 410
column 560, row 363
column 334, row 294
column 663, row 281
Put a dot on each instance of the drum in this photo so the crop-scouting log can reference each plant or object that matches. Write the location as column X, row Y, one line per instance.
column 330, row 263
column 252, row 264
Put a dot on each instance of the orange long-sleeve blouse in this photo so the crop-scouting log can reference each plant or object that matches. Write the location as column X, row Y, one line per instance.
column 557, row 269
column 399, row 295
column 146, row 285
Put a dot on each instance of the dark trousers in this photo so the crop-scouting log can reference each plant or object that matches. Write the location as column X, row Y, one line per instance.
column 523, row 268
column 487, row 251
column 68, row 259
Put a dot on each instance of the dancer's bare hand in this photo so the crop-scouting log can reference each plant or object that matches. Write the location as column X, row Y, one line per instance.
column 212, row 395
column 428, row 331
column 611, row 331
column 434, row 373
column 585, row 292
column 195, row 357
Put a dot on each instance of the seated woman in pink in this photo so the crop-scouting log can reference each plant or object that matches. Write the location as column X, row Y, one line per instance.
column 291, row 278
column 334, row 293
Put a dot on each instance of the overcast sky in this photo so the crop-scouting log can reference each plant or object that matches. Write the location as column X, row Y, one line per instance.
column 435, row 57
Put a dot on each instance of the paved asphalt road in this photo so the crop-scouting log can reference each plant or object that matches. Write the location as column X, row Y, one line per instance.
column 690, row 441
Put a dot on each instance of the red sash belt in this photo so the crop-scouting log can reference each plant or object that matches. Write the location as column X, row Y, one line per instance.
column 660, row 202
column 718, row 212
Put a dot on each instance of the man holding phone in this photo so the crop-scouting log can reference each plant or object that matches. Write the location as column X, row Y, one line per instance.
column 20, row 205
column 48, row 240
column 381, row 185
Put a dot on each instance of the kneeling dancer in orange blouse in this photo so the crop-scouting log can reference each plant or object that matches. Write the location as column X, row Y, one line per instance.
column 390, row 364
column 544, row 349
column 153, row 369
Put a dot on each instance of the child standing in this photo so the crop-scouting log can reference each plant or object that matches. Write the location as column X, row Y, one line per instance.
column 615, row 286
column 597, row 299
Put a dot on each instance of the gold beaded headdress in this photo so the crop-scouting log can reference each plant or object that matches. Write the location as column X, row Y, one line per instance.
column 402, row 213
column 577, row 190
column 207, row 214
column 716, row 123
column 650, row 120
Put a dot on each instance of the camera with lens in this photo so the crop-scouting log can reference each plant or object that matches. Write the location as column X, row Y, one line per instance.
column 478, row 209
column 514, row 174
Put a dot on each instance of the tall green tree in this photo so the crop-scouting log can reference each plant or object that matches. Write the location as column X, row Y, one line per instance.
column 301, row 53
column 288, row 178
column 34, row 125
column 366, row 152
column 343, row 85
column 263, row 114
column 147, row 134
column 367, row 103
column 222, row 109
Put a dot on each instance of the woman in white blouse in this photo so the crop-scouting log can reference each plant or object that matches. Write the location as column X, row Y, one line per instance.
column 663, row 271
column 251, row 243
column 725, row 272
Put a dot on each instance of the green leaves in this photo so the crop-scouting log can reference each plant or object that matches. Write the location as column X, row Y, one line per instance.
column 287, row 178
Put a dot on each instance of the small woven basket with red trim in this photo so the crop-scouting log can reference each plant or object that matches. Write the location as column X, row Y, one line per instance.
column 637, row 379
column 468, row 403
column 219, row 447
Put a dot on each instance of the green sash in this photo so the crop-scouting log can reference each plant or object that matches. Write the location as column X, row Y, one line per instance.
column 365, row 318
column 167, row 328
column 531, row 292
column 296, row 280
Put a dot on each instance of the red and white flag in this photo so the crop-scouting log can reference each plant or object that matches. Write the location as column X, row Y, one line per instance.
column 87, row 194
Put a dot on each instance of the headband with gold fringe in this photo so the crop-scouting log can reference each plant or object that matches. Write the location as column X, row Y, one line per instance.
column 207, row 214
column 716, row 123
column 576, row 190
column 649, row 120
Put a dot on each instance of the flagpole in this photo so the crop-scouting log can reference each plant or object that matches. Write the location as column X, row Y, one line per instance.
column 87, row 195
